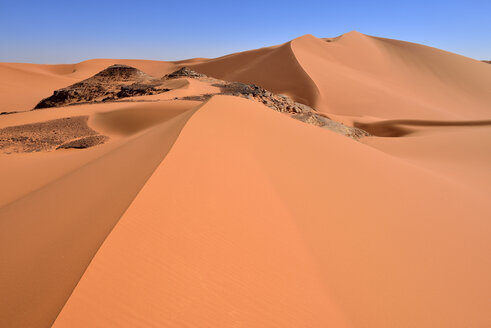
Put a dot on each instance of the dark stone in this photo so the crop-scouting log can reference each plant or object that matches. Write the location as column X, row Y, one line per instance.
column 116, row 81
column 183, row 72
column 84, row 142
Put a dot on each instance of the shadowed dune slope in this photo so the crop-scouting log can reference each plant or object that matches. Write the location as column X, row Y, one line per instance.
column 399, row 128
column 49, row 236
column 458, row 153
column 296, row 228
column 273, row 68
column 23, row 173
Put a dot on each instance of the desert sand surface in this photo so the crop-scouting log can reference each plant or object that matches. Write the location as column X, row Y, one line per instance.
column 323, row 182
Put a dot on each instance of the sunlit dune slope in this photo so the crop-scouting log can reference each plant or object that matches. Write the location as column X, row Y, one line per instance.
column 360, row 75
column 290, row 226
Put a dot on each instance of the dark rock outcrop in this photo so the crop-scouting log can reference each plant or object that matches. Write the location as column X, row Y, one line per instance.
column 285, row 104
column 69, row 132
column 116, row 81
column 121, row 81
column 280, row 103
column 84, row 142
column 138, row 89
column 183, row 72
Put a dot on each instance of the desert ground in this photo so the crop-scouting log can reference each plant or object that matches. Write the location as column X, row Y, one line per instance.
column 323, row 182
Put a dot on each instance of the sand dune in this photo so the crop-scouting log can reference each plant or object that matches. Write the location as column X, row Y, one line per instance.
column 399, row 128
column 225, row 212
column 459, row 153
column 274, row 68
column 22, row 86
column 55, row 230
column 360, row 75
column 270, row 211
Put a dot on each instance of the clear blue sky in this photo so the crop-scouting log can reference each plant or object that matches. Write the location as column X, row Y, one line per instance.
column 71, row 31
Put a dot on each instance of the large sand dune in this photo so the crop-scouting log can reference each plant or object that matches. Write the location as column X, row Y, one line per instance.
column 222, row 212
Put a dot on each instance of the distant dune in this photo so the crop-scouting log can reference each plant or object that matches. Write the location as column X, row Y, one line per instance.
column 337, row 182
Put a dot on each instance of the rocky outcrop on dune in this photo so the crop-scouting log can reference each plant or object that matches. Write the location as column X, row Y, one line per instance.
column 275, row 68
column 70, row 132
column 280, row 103
column 183, row 72
column 285, row 104
column 487, row 61
column 84, row 142
column 121, row 81
column 114, row 82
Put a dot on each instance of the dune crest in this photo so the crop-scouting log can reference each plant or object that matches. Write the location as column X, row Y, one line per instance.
column 274, row 68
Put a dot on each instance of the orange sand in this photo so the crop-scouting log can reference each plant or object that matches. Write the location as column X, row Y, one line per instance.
column 228, row 214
